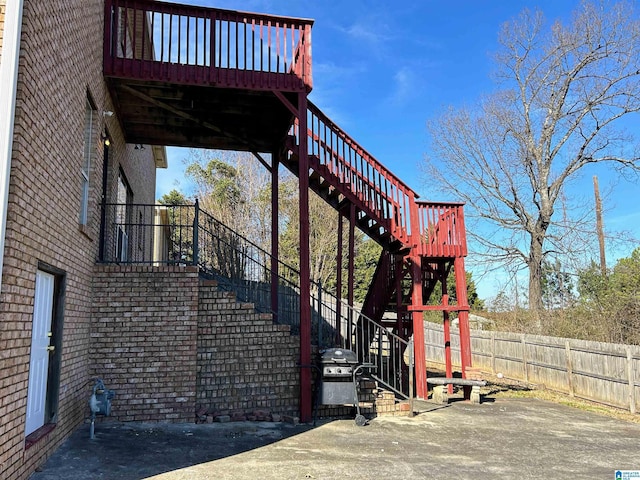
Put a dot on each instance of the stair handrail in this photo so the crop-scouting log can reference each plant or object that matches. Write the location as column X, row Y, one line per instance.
column 349, row 329
column 371, row 185
column 161, row 234
column 336, row 128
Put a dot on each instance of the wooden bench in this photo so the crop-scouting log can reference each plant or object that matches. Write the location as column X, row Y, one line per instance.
column 440, row 390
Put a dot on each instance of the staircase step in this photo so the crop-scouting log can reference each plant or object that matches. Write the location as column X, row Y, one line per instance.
column 315, row 177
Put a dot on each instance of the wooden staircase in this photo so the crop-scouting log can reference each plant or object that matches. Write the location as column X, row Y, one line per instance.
column 222, row 79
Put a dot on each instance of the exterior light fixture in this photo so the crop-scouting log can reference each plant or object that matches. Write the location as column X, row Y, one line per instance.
column 105, row 138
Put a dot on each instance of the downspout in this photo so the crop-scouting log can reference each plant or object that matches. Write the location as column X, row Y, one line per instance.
column 9, row 79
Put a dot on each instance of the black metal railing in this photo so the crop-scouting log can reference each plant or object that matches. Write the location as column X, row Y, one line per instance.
column 243, row 267
column 187, row 235
column 147, row 234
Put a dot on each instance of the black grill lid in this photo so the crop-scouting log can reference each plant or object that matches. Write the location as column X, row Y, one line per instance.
column 339, row 355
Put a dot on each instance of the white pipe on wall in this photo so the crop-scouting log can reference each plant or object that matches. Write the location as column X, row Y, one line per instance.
column 9, row 81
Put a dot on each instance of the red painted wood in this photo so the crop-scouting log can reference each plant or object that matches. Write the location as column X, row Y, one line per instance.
column 418, row 329
column 305, row 270
column 441, row 228
column 200, row 46
column 372, row 187
column 463, row 315
column 446, row 327
column 352, row 254
column 275, row 233
column 339, row 276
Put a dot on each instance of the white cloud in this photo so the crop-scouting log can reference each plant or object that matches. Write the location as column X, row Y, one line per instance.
column 367, row 32
column 404, row 86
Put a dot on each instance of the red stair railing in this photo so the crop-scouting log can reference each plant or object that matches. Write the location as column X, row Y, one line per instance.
column 442, row 231
column 371, row 186
column 163, row 41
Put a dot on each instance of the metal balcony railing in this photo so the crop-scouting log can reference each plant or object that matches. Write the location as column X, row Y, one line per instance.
column 186, row 235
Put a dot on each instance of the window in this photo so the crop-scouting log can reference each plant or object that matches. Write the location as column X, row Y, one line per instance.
column 89, row 133
column 123, row 219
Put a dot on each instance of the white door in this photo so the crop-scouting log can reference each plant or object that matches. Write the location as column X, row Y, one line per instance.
column 39, row 364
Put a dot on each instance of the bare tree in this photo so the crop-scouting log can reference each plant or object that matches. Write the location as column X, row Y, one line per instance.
column 564, row 90
column 323, row 240
column 235, row 188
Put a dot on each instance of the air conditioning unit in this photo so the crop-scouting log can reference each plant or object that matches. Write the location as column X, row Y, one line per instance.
column 122, row 244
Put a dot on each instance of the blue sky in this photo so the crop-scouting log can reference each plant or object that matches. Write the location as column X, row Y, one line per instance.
column 383, row 69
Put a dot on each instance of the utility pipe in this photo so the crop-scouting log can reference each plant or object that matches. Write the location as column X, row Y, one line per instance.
column 9, row 81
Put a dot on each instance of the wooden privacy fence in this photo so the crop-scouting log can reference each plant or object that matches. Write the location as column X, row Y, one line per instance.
column 602, row 372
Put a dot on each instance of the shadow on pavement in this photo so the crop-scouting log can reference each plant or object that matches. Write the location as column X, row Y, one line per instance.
column 134, row 451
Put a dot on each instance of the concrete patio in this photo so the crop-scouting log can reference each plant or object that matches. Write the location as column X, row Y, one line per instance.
column 501, row 438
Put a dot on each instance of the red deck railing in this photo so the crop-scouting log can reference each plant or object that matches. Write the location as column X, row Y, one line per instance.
column 162, row 41
column 442, row 231
column 362, row 178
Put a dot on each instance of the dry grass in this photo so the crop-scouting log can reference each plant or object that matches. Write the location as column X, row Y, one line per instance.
column 511, row 388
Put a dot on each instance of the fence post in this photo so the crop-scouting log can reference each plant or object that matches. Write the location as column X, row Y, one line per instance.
column 493, row 352
column 196, row 223
column 524, row 359
column 632, row 381
column 567, row 349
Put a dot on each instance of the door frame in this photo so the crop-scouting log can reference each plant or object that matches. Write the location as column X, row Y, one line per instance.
column 52, row 390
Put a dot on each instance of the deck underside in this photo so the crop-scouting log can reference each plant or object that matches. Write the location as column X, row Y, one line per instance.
column 157, row 113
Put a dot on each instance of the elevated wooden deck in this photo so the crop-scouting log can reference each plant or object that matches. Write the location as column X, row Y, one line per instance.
column 204, row 77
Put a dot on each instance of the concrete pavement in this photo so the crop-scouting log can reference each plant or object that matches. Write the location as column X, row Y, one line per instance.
column 502, row 438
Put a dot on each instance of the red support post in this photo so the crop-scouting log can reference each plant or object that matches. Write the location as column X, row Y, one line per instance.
column 351, row 278
column 397, row 266
column 446, row 326
column 417, row 301
column 275, row 162
column 447, row 342
column 418, row 328
column 463, row 314
column 305, row 269
column 339, row 281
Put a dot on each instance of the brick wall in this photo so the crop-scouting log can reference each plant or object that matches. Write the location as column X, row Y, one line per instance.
column 165, row 344
column 60, row 61
column 143, row 340
column 245, row 361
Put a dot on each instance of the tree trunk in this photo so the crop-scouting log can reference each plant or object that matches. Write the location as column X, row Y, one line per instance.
column 534, row 263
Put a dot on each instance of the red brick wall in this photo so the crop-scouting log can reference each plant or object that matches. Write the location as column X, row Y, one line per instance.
column 143, row 340
column 245, row 361
column 60, row 61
